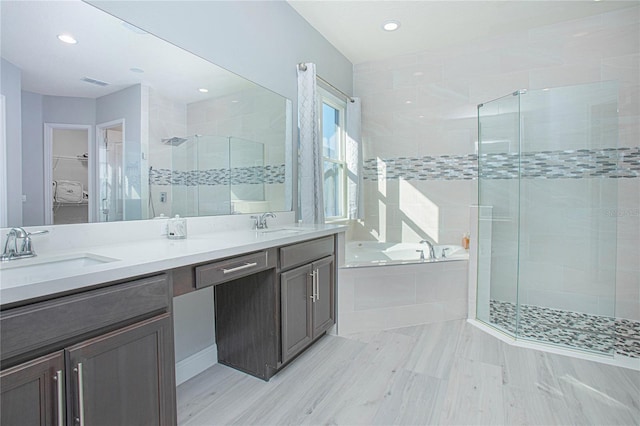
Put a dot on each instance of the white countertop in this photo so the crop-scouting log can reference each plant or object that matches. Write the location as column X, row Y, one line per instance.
column 141, row 258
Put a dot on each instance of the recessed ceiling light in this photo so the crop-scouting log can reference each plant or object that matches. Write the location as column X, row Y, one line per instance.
column 136, row 70
column 418, row 73
column 390, row 25
column 66, row 38
column 203, row 90
column 408, row 102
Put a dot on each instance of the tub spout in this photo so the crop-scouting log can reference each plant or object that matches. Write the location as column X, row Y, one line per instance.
column 432, row 253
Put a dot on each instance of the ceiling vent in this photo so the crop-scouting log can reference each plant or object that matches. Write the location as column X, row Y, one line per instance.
column 94, row 81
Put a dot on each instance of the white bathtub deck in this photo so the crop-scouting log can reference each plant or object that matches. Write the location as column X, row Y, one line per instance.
column 386, row 297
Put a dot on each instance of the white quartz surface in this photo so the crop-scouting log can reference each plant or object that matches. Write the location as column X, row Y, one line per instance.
column 141, row 257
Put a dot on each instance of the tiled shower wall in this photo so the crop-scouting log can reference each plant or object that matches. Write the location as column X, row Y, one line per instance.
column 245, row 114
column 420, row 129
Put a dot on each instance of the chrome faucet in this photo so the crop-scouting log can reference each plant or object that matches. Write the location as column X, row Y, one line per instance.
column 11, row 251
column 261, row 222
column 432, row 253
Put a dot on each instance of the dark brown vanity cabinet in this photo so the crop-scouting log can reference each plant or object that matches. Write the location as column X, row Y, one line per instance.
column 33, row 392
column 271, row 305
column 307, row 294
column 109, row 358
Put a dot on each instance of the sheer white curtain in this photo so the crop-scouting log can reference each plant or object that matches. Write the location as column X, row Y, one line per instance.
column 309, row 147
column 354, row 160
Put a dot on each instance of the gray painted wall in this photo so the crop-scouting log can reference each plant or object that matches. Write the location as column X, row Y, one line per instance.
column 68, row 110
column 193, row 334
column 259, row 40
column 10, row 84
column 36, row 110
column 39, row 109
column 32, row 159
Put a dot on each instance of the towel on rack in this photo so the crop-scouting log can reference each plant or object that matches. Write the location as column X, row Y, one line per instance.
column 68, row 191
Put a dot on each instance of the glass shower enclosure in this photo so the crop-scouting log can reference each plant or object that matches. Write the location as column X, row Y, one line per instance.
column 547, row 190
column 217, row 175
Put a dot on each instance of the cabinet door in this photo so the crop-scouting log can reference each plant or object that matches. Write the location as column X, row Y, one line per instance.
column 124, row 377
column 323, row 303
column 295, row 288
column 33, row 392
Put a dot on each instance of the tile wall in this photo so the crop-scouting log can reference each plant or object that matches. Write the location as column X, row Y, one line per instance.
column 200, row 191
column 419, row 116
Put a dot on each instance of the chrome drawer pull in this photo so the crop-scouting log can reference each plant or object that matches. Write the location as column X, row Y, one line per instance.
column 239, row 268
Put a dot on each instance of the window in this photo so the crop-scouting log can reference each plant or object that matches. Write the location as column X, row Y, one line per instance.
column 332, row 120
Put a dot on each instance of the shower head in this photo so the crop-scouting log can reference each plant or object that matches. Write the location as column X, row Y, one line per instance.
column 174, row 141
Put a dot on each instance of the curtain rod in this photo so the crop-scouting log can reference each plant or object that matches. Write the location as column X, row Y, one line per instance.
column 303, row 67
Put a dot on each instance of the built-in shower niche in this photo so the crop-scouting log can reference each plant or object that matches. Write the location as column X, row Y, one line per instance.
column 549, row 165
column 212, row 175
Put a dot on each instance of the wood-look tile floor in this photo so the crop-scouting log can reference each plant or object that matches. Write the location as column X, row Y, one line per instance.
column 444, row 373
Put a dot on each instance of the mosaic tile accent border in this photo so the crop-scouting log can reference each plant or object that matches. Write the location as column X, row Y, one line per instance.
column 574, row 329
column 568, row 164
column 270, row 174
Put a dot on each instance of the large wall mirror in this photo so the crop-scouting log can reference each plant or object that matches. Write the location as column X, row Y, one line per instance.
column 117, row 124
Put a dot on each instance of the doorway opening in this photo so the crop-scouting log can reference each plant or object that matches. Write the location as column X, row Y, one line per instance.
column 111, row 173
column 68, row 174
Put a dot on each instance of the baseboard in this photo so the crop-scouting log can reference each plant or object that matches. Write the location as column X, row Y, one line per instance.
column 196, row 364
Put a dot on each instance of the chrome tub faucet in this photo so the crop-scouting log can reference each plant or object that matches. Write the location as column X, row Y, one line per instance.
column 432, row 253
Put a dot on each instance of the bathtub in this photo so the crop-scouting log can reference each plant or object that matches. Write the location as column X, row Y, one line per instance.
column 371, row 253
column 386, row 285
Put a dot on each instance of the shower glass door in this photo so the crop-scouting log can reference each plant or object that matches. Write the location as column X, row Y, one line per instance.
column 548, row 166
column 498, row 199
column 568, row 236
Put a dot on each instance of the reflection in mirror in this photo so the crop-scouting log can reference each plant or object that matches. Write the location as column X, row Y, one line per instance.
column 165, row 132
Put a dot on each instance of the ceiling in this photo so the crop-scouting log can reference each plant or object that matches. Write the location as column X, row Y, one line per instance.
column 355, row 27
column 107, row 50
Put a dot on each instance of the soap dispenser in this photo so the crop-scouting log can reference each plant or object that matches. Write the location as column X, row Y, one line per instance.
column 177, row 228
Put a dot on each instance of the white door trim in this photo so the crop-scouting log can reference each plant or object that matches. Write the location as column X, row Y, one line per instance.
column 100, row 141
column 48, row 168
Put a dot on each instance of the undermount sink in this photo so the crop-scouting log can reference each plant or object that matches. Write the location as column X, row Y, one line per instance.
column 15, row 272
column 281, row 231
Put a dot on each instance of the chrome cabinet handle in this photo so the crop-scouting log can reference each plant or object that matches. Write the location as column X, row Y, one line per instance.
column 313, row 286
column 60, row 397
column 239, row 268
column 80, row 418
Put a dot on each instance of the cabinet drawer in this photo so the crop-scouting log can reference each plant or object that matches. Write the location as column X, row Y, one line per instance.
column 230, row 269
column 305, row 252
column 48, row 323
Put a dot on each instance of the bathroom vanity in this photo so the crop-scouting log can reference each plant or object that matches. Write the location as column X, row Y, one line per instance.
column 102, row 352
